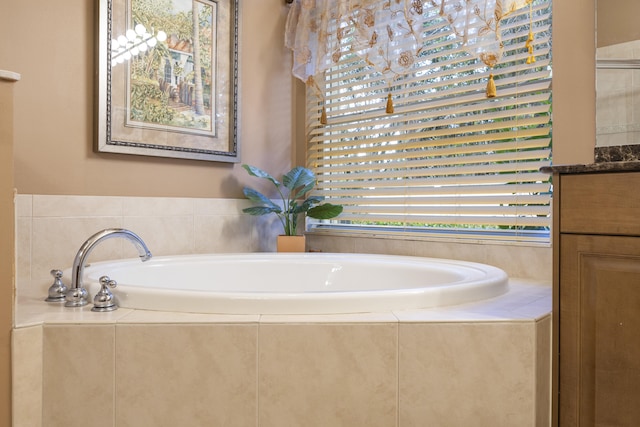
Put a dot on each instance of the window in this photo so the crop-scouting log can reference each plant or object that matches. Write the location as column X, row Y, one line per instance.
column 449, row 162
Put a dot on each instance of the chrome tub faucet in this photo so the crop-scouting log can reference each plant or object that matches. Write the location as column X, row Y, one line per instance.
column 77, row 295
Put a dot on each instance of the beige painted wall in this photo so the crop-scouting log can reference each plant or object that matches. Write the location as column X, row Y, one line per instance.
column 617, row 21
column 6, row 247
column 574, row 84
column 51, row 46
column 54, row 104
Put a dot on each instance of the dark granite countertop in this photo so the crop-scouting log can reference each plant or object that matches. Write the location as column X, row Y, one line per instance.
column 623, row 158
column 594, row 167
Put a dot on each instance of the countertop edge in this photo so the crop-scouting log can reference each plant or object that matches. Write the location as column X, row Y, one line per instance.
column 629, row 166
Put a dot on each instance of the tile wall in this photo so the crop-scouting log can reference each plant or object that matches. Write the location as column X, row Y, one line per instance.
column 351, row 371
column 530, row 262
column 484, row 365
column 51, row 229
column 618, row 98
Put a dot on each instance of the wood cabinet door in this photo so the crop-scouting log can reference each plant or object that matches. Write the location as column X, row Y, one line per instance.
column 599, row 331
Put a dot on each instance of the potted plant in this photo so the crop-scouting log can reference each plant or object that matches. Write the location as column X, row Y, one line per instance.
column 292, row 189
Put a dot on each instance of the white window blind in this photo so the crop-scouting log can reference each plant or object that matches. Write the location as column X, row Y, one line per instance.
column 449, row 160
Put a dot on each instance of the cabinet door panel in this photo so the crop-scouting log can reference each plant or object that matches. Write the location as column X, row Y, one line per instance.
column 599, row 358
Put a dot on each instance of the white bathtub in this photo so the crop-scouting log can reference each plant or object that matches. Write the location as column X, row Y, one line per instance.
column 305, row 283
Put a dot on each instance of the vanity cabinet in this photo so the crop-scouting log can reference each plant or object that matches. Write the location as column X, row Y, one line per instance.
column 596, row 314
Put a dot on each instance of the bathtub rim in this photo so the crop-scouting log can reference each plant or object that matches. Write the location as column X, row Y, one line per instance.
column 171, row 300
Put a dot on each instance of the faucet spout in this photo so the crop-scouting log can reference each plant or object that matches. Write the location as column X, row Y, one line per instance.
column 77, row 296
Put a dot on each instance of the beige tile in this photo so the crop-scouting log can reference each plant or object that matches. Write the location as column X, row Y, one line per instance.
column 452, row 250
column 35, row 311
column 163, row 235
column 517, row 261
column 328, row 375
column 479, row 375
column 23, row 252
column 385, row 317
column 317, row 242
column 76, row 206
column 608, row 80
column 186, row 375
column 384, row 246
column 24, row 205
column 526, row 300
column 224, row 233
column 634, row 137
column 266, row 228
column 522, row 261
column 151, row 316
column 157, row 206
column 543, row 372
column 27, row 376
column 220, row 206
column 78, row 372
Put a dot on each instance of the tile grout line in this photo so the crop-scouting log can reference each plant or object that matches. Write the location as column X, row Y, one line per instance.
column 113, row 379
column 258, row 328
column 397, row 373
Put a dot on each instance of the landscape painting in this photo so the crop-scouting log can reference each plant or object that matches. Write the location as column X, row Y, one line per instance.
column 168, row 81
column 172, row 85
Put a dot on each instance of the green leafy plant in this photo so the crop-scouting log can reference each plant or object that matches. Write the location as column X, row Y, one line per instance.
column 294, row 186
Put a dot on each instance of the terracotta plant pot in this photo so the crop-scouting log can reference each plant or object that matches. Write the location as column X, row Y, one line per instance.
column 291, row 243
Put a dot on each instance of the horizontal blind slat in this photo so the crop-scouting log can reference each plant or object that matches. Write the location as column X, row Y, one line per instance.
column 435, row 180
column 460, row 162
column 444, row 200
column 444, row 219
column 519, row 188
column 457, row 210
column 527, row 148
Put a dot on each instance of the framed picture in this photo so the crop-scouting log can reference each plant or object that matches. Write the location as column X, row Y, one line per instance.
column 168, row 78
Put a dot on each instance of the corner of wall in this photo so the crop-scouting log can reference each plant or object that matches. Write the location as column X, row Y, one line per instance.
column 7, row 246
column 574, row 81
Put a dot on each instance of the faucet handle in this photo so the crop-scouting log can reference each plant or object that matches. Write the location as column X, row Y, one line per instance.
column 104, row 299
column 57, row 290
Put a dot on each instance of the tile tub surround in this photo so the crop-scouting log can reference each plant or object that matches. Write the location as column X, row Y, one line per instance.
column 524, row 261
column 480, row 364
column 339, row 370
column 51, row 229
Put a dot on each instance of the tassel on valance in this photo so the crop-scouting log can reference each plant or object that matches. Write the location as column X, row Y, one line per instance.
column 491, row 87
column 529, row 44
column 389, row 104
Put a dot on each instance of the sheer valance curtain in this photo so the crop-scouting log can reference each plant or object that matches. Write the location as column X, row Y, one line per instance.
column 388, row 34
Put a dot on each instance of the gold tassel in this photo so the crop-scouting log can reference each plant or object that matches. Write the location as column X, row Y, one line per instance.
column 323, row 116
column 529, row 44
column 491, row 87
column 389, row 104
